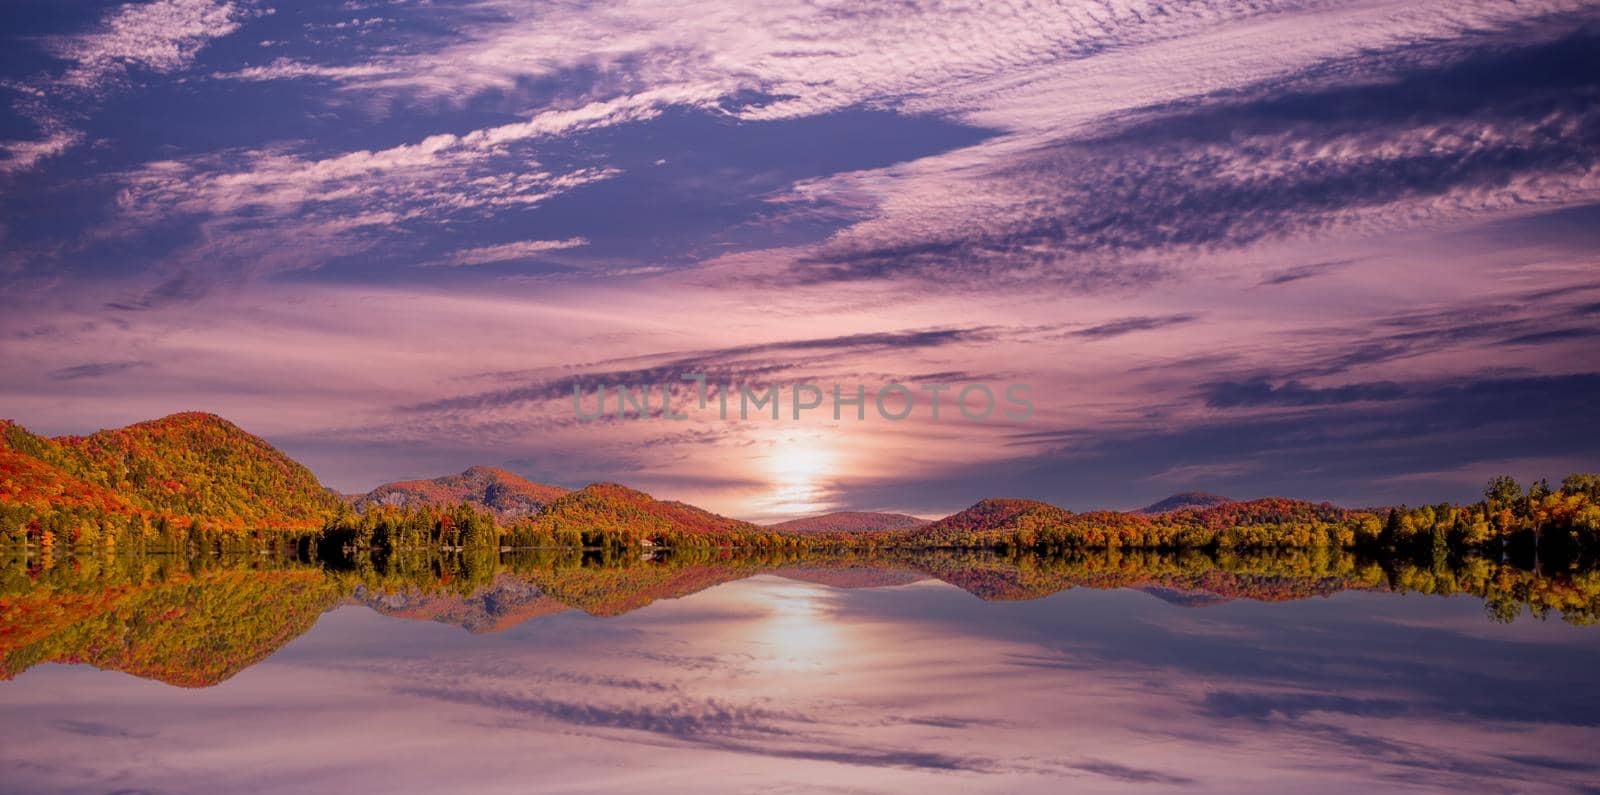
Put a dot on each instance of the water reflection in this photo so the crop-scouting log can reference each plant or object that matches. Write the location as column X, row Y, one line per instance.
column 738, row 675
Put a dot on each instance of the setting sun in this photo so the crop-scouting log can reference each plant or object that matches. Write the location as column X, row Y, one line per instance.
column 798, row 471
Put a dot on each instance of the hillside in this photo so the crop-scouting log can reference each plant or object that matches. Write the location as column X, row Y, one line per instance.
column 988, row 522
column 506, row 494
column 624, row 513
column 184, row 466
column 1186, row 500
column 849, row 522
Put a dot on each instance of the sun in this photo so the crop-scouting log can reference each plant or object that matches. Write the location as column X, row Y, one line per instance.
column 799, row 471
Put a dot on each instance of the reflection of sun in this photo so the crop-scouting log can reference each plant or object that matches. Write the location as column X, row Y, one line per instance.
column 797, row 470
column 798, row 628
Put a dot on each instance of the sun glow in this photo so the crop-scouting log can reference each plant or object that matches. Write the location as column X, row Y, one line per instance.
column 798, row 471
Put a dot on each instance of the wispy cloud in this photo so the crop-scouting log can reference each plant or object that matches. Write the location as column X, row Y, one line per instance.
column 740, row 363
column 506, row 252
column 1129, row 325
column 161, row 36
column 94, row 370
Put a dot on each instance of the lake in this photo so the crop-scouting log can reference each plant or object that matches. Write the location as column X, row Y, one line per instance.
column 791, row 676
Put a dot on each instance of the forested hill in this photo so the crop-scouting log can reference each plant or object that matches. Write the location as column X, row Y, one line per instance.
column 178, row 468
column 194, row 481
column 506, row 494
column 1186, row 500
column 850, row 522
column 623, row 513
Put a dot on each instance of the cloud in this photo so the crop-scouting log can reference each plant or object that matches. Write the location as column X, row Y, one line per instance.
column 1130, row 775
column 286, row 211
column 1261, row 392
column 1254, row 163
column 24, row 155
column 721, row 366
column 95, row 370
column 162, row 36
column 506, row 252
column 1117, row 328
column 1262, row 706
column 1553, row 335
column 1301, row 273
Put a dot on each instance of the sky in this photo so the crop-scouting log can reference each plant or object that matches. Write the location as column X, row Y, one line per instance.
column 1330, row 250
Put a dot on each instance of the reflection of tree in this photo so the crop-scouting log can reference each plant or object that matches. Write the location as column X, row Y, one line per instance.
column 195, row 621
column 185, row 622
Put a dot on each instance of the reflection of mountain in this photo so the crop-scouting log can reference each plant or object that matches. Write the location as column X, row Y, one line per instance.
column 508, row 495
column 158, row 618
column 508, row 601
column 612, row 591
column 848, row 575
column 1183, row 597
column 190, row 630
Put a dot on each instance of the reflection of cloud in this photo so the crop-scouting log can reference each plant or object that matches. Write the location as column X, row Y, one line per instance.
column 93, row 729
column 923, row 696
column 708, row 723
column 682, row 719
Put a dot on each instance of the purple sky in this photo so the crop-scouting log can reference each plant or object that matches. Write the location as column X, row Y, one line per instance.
column 1330, row 250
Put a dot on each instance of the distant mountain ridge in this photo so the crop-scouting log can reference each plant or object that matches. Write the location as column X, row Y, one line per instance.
column 200, row 466
column 850, row 521
column 632, row 513
column 508, row 495
column 1186, row 500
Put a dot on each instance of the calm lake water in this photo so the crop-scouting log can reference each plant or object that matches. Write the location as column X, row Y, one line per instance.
column 861, row 682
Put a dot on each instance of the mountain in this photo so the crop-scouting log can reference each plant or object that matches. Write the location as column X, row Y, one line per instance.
column 624, row 512
column 1265, row 511
column 184, row 466
column 849, row 522
column 508, row 495
column 989, row 521
column 1186, row 500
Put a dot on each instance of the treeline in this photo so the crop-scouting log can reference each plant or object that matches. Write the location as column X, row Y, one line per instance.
column 464, row 527
column 1537, row 525
column 80, row 529
column 1537, row 522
